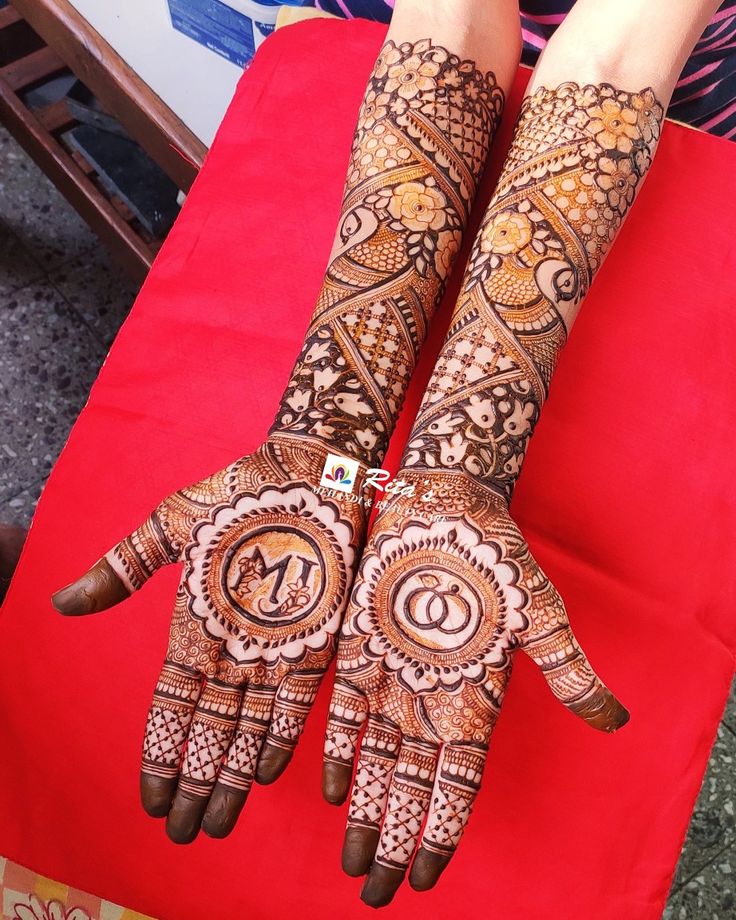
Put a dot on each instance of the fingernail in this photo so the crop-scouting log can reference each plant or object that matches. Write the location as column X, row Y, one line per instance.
column 602, row 711
column 72, row 601
column 185, row 818
column 621, row 717
column 381, row 885
column 336, row 781
column 272, row 763
column 612, row 715
column 157, row 794
column 223, row 810
column 358, row 850
column 97, row 589
column 426, row 869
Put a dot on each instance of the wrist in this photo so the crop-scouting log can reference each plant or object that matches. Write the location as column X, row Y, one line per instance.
column 359, row 445
column 329, row 401
column 428, row 493
column 321, row 463
column 482, row 434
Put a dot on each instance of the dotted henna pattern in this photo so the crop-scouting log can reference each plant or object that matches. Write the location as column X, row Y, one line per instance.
column 267, row 561
column 577, row 159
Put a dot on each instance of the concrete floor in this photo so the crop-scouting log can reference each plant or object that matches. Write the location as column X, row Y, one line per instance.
column 61, row 303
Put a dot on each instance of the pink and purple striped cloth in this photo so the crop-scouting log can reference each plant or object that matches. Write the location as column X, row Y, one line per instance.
column 706, row 91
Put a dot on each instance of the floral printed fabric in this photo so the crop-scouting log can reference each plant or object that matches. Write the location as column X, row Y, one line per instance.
column 25, row 895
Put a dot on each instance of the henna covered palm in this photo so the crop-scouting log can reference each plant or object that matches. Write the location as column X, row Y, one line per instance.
column 440, row 605
column 447, row 589
column 267, row 568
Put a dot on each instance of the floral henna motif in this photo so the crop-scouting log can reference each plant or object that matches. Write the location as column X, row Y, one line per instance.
column 577, row 159
column 420, row 146
column 267, row 567
column 266, row 576
column 420, row 612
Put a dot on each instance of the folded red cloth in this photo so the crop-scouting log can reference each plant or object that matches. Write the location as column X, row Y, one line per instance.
column 627, row 498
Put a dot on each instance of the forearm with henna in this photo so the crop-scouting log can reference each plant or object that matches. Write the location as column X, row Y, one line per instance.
column 447, row 588
column 423, row 135
column 577, row 159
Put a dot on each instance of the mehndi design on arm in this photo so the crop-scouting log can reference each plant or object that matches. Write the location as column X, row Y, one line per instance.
column 447, row 588
column 267, row 566
column 268, row 562
column 423, row 136
column 573, row 169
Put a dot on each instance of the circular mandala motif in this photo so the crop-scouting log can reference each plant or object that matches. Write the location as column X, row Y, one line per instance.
column 270, row 571
column 437, row 604
column 428, row 602
column 269, row 576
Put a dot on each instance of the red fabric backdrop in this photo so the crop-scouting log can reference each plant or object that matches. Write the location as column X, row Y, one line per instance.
column 627, row 498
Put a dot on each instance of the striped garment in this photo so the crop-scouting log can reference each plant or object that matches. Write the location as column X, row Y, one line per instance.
column 705, row 95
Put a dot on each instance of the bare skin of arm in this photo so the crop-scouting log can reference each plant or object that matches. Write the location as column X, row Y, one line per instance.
column 268, row 562
column 447, row 590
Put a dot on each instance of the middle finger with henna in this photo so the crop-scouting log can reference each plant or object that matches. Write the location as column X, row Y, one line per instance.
column 210, row 732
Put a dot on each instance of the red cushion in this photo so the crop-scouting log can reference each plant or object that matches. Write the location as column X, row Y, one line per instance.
column 627, row 498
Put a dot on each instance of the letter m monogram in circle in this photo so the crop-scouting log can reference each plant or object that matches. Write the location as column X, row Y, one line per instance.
column 287, row 578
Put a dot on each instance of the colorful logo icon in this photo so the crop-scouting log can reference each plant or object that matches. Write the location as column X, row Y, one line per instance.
column 339, row 473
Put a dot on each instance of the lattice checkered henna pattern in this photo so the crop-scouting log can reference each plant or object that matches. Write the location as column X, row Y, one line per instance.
column 423, row 136
column 267, row 567
column 577, row 159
